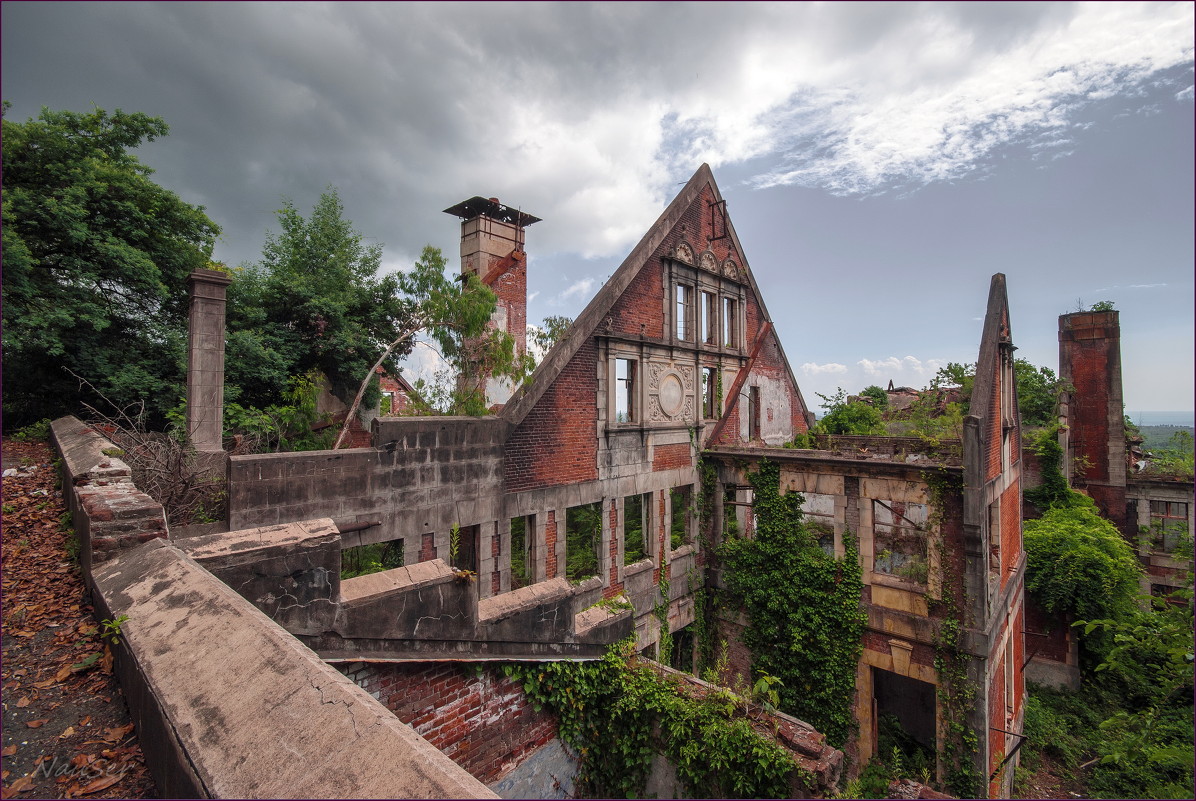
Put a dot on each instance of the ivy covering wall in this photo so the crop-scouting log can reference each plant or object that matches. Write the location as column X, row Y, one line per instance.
column 804, row 608
column 617, row 713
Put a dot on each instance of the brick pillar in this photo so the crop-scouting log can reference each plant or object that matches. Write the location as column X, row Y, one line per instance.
column 1090, row 360
column 205, row 360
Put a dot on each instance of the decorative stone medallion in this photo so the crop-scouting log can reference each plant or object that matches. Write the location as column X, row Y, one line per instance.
column 684, row 252
column 730, row 268
column 708, row 262
column 672, row 395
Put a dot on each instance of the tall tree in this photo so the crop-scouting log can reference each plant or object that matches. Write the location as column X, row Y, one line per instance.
column 315, row 301
column 96, row 257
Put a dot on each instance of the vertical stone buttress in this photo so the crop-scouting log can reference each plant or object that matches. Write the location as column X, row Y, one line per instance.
column 1090, row 361
column 205, row 360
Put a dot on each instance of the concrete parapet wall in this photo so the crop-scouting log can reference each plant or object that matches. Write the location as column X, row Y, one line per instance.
column 290, row 572
column 231, row 706
column 108, row 512
column 426, row 475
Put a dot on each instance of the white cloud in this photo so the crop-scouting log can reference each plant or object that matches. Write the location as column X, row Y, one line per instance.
column 810, row 368
column 1186, row 94
column 580, row 289
column 892, row 366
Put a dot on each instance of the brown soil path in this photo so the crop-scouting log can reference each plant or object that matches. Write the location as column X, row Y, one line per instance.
column 66, row 728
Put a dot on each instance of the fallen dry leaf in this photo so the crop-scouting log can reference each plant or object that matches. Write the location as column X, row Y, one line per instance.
column 118, row 734
column 41, row 685
column 85, row 721
column 62, row 673
column 9, row 750
column 67, row 732
column 101, row 783
column 19, row 786
column 24, row 702
column 35, row 724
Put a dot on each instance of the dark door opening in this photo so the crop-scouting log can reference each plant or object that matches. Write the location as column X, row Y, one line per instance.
column 905, row 720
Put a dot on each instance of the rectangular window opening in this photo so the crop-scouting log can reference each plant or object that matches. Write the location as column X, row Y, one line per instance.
column 684, row 312
column 680, row 531
column 363, row 560
column 625, row 406
column 819, row 511
column 753, row 413
column 710, row 393
column 522, row 531
column 730, row 323
column 583, row 537
column 635, row 524
column 709, row 318
column 899, row 537
column 1169, row 524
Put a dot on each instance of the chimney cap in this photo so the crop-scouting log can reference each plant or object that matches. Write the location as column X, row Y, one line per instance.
column 479, row 206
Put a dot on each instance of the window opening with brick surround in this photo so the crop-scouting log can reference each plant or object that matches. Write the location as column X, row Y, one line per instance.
column 583, row 538
column 522, row 530
column 1168, row 523
column 753, row 414
column 730, row 323
column 680, row 528
column 625, row 389
column 635, row 523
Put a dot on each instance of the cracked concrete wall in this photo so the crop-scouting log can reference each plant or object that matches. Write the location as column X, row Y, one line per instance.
column 230, row 705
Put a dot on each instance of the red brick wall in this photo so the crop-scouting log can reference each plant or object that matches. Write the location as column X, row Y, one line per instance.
column 640, row 309
column 511, row 289
column 557, row 443
column 427, row 548
column 1011, row 530
column 993, row 446
column 1055, row 645
column 669, row 457
column 614, row 586
column 550, row 545
column 483, row 722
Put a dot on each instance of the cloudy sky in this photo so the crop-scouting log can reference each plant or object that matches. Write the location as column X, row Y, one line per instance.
column 880, row 162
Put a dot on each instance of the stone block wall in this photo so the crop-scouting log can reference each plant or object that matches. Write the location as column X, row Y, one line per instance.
column 108, row 512
column 426, row 475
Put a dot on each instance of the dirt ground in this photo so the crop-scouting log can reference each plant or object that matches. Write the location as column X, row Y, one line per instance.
column 66, row 727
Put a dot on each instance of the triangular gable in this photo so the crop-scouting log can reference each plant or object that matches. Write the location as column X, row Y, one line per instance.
column 587, row 323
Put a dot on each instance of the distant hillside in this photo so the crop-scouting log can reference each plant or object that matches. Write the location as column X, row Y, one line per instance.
column 1160, row 436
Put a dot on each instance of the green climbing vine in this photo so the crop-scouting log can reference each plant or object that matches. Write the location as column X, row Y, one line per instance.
column 618, row 712
column 957, row 693
column 807, row 623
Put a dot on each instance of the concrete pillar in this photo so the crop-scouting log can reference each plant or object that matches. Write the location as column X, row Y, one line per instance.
column 205, row 360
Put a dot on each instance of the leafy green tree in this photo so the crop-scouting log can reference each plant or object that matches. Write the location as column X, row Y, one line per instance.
column 1078, row 564
column 1037, row 388
column 315, row 302
column 455, row 314
column 844, row 417
column 96, row 258
column 880, row 398
column 544, row 336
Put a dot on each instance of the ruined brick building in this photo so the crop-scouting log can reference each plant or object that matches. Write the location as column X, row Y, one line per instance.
column 675, row 360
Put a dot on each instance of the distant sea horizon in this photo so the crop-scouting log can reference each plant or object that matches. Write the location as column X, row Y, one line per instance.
column 1143, row 418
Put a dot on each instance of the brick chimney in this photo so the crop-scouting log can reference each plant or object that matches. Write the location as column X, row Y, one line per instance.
column 492, row 239
column 1090, row 360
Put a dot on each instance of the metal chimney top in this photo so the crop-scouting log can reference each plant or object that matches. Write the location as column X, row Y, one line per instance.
column 479, row 206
